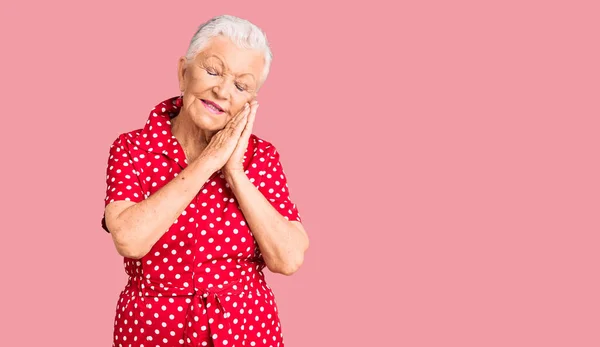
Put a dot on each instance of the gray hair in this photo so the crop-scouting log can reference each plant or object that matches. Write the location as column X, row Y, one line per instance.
column 241, row 31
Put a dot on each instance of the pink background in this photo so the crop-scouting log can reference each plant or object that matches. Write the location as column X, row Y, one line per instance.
column 443, row 154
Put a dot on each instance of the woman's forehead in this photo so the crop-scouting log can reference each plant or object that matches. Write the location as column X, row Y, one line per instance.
column 238, row 60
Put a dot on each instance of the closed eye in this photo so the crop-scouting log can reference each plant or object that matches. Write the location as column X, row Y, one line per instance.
column 241, row 88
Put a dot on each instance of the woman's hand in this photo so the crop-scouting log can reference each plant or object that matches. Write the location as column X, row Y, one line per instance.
column 224, row 143
column 236, row 160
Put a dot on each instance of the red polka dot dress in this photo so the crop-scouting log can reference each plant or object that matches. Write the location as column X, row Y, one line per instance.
column 202, row 283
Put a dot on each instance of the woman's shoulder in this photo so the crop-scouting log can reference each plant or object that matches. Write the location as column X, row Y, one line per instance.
column 261, row 147
column 127, row 139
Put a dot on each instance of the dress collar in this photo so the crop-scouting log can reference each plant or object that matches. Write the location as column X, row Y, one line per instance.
column 156, row 136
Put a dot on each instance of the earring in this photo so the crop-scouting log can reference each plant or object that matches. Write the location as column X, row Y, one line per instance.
column 179, row 101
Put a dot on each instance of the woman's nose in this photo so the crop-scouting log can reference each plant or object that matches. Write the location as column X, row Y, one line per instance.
column 222, row 89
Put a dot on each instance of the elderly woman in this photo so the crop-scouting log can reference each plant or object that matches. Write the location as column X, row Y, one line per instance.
column 198, row 205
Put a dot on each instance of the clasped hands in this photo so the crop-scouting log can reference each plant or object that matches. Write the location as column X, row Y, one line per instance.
column 227, row 147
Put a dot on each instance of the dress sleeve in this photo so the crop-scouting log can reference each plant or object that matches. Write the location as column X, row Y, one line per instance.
column 122, row 180
column 273, row 185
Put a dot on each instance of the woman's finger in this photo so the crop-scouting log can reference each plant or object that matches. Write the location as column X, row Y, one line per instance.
column 249, row 124
column 233, row 123
column 239, row 126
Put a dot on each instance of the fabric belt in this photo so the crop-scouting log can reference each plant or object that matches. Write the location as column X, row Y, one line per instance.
column 205, row 302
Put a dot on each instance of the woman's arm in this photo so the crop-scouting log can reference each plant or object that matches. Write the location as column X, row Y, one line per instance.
column 136, row 227
column 282, row 242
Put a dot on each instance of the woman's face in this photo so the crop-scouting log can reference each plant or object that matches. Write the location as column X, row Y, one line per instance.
column 218, row 82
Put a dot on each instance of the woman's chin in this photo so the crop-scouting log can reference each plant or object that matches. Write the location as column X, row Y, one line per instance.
column 210, row 123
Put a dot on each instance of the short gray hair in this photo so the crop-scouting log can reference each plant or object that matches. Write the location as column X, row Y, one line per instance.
column 241, row 31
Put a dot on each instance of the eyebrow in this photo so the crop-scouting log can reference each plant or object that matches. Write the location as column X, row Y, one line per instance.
column 223, row 63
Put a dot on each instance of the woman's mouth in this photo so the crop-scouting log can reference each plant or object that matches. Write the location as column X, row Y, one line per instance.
column 212, row 107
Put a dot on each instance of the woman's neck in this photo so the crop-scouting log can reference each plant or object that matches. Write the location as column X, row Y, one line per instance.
column 192, row 139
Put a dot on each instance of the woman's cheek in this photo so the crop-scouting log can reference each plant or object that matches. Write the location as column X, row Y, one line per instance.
column 237, row 110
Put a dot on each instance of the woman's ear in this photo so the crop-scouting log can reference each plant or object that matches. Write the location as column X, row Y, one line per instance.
column 181, row 69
